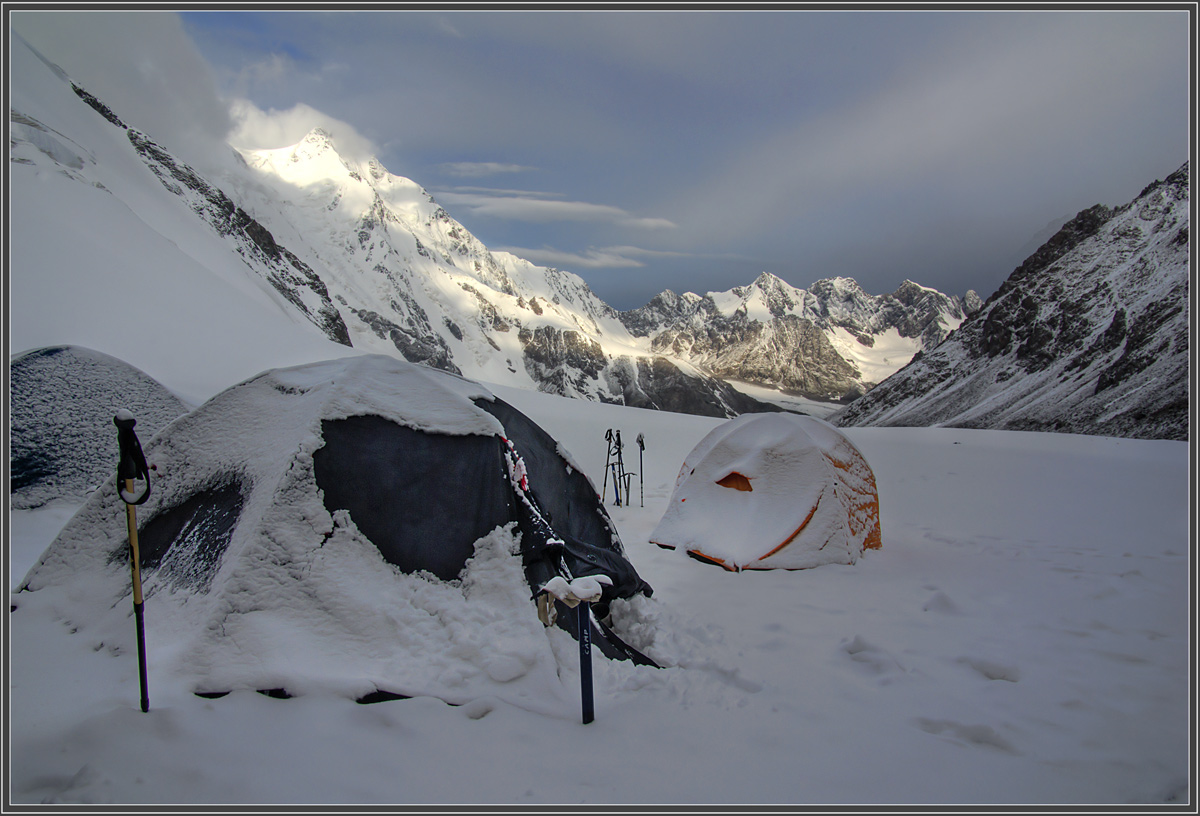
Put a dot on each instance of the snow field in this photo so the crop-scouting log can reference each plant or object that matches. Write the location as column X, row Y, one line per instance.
column 1021, row 637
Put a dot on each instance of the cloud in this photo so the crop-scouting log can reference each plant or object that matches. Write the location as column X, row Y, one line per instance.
column 613, row 257
column 541, row 210
column 256, row 129
column 591, row 258
column 500, row 191
column 143, row 66
column 1012, row 107
column 478, row 169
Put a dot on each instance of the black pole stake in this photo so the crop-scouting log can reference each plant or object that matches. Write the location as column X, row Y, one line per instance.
column 141, row 645
column 585, row 660
column 130, row 468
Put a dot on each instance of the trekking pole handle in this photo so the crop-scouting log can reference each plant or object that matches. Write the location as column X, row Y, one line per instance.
column 131, row 466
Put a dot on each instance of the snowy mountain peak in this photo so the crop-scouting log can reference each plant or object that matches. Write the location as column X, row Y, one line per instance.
column 318, row 137
column 768, row 282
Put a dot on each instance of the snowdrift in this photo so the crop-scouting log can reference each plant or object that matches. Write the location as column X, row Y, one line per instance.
column 768, row 491
column 363, row 526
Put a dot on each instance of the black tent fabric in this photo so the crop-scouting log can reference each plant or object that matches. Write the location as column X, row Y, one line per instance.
column 406, row 491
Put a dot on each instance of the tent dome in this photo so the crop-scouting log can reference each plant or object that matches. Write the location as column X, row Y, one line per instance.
column 770, row 491
column 364, row 525
column 62, row 400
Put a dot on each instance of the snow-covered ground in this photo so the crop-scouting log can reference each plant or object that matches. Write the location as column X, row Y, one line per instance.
column 1022, row 637
column 792, row 402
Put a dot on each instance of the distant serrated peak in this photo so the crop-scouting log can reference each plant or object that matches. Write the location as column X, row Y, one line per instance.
column 767, row 281
column 839, row 288
column 909, row 291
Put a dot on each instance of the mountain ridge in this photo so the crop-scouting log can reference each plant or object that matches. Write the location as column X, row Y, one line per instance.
column 1089, row 335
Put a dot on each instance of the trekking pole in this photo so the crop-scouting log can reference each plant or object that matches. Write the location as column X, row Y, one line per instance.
column 130, row 468
column 641, row 440
column 619, row 470
column 607, row 457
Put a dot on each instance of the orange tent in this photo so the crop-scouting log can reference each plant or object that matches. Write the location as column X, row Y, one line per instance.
column 773, row 491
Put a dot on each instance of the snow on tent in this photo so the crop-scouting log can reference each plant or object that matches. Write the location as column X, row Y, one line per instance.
column 362, row 526
column 63, row 401
column 772, row 491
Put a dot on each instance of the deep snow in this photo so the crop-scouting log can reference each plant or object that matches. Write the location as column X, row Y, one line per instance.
column 1021, row 637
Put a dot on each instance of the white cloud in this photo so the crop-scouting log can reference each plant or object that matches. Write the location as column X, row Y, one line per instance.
column 255, row 128
column 526, row 208
column 613, row 257
column 591, row 258
column 144, row 67
column 478, row 169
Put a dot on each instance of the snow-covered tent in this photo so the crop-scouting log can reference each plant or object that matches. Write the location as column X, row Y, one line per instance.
column 773, row 491
column 63, row 399
column 365, row 525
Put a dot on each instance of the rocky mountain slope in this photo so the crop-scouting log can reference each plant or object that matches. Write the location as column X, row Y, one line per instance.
column 1088, row 335
column 370, row 260
column 833, row 341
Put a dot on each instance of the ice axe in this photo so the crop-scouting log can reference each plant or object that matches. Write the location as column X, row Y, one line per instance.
column 131, row 468
column 580, row 593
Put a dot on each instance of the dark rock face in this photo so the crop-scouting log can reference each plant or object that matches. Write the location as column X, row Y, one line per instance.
column 425, row 348
column 562, row 361
column 1089, row 335
column 98, row 106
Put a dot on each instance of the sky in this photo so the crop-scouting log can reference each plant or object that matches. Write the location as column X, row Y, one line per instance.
column 687, row 150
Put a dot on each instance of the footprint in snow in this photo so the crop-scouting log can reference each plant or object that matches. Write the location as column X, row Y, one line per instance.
column 871, row 658
column 983, row 736
column 991, row 670
column 941, row 603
